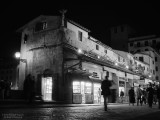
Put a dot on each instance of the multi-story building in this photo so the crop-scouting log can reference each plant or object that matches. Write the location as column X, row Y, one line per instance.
column 148, row 45
column 119, row 35
column 68, row 63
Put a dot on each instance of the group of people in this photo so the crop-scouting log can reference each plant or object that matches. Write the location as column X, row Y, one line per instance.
column 145, row 95
column 148, row 95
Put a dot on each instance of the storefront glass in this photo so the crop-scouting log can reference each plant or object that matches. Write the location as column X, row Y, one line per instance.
column 47, row 88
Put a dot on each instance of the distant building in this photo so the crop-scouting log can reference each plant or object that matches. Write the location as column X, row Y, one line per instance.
column 119, row 36
column 149, row 45
column 69, row 64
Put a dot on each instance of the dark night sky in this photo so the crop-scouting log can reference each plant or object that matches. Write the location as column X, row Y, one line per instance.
column 95, row 16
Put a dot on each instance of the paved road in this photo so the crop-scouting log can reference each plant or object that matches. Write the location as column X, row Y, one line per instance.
column 116, row 112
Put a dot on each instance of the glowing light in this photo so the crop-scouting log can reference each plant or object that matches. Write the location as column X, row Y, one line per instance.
column 79, row 51
column 127, row 66
column 98, row 57
column 17, row 54
column 150, row 76
column 116, row 64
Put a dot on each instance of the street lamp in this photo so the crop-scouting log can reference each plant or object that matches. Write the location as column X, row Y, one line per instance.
column 18, row 56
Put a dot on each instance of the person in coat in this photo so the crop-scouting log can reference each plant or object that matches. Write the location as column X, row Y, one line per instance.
column 158, row 95
column 150, row 92
column 105, row 86
column 131, row 94
column 139, row 95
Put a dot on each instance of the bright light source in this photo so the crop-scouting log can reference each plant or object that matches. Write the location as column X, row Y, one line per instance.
column 98, row 57
column 116, row 64
column 150, row 76
column 79, row 51
column 17, row 54
column 127, row 66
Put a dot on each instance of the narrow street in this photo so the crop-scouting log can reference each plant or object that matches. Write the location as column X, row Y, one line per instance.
column 84, row 112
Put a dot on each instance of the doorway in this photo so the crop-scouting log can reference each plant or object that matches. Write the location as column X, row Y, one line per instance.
column 47, row 88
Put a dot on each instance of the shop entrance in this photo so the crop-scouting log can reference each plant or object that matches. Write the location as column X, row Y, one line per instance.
column 47, row 88
column 82, row 92
column 97, row 93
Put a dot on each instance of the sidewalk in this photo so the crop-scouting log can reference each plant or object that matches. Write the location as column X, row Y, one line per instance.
column 12, row 103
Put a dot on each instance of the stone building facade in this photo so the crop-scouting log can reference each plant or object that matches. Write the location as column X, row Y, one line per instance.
column 69, row 64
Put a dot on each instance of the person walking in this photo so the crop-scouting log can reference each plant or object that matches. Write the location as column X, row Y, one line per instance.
column 121, row 95
column 105, row 86
column 139, row 94
column 131, row 94
column 150, row 92
column 144, row 96
column 158, row 95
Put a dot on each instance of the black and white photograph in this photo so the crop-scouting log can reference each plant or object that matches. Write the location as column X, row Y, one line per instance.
column 80, row 60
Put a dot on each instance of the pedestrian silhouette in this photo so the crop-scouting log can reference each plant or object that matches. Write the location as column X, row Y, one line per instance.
column 105, row 86
column 121, row 95
column 139, row 95
column 131, row 94
column 158, row 95
column 150, row 92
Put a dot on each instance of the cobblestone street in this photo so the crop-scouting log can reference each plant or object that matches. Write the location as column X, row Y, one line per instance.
column 116, row 112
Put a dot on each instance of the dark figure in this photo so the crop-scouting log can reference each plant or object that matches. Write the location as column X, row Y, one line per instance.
column 2, row 89
column 121, row 96
column 29, row 84
column 32, row 90
column 144, row 96
column 155, row 95
column 158, row 95
column 139, row 95
column 105, row 86
column 131, row 94
column 150, row 92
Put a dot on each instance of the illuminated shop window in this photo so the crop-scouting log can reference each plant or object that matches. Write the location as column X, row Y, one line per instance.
column 88, row 87
column 76, row 87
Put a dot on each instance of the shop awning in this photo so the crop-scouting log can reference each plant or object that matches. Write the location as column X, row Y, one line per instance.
column 129, row 76
column 110, row 69
column 121, row 74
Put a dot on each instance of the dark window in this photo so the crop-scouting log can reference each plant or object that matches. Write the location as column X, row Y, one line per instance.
column 131, row 51
column 79, row 35
column 146, row 43
column 105, row 51
column 156, row 68
column 157, row 78
column 131, row 44
column 118, row 58
column 154, row 72
column 153, row 41
column 40, row 26
column 138, row 44
column 156, row 59
column 138, row 50
column 153, row 62
column 146, row 49
column 97, row 47
column 122, row 28
column 141, row 59
column 25, row 38
column 115, row 29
